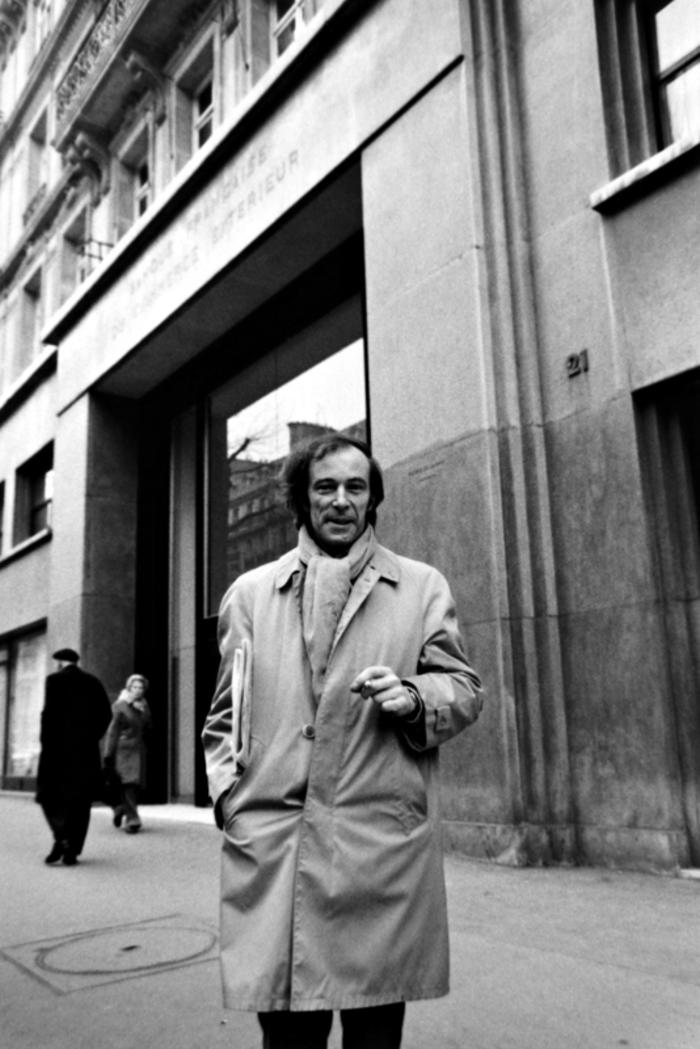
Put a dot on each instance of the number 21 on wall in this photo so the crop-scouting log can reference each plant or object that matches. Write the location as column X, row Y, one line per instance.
column 577, row 364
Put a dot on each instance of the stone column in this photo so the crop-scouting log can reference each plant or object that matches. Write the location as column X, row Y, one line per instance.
column 94, row 543
column 456, row 416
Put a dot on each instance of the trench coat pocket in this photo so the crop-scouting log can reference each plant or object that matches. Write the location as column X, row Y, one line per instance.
column 411, row 790
column 244, row 763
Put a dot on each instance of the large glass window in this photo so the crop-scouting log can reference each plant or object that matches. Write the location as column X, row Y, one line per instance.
column 650, row 75
column 677, row 39
column 254, row 422
column 22, row 673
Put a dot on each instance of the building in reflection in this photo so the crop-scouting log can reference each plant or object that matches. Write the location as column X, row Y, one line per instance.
column 260, row 527
column 473, row 223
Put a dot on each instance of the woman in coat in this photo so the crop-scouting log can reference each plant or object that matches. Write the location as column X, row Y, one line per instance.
column 125, row 749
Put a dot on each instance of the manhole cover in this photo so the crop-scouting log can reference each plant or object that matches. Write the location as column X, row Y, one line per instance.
column 125, row 950
column 102, row 955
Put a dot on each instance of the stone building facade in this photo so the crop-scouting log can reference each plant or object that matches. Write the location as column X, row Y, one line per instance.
column 469, row 226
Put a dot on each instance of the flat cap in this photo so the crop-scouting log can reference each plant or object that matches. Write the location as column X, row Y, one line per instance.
column 66, row 655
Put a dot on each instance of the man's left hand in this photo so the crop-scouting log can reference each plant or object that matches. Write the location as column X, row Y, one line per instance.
column 383, row 687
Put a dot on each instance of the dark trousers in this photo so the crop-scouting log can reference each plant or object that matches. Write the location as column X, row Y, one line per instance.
column 376, row 1027
column 69, row 822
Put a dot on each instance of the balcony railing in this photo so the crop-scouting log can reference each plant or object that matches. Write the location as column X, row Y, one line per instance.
column 91, row 252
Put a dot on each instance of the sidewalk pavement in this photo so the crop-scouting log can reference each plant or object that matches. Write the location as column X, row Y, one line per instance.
column 119, row 952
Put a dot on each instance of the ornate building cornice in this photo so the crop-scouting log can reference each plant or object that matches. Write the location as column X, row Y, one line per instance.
column 92, row 58
column 43, row 66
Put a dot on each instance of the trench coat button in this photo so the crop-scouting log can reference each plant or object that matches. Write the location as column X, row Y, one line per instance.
column 308, row 732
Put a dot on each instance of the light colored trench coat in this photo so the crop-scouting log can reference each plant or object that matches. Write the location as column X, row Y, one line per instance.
column 332, row 878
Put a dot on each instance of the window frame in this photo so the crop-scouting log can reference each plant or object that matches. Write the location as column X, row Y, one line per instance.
column 74, row 268
column 31, row 315
column 131, row 199
column 629, row 82
column 199, row 68
column 30, row 504
column 203, row 119
column 295, row 18
column 663, row 77
column 37, row 164
column 142, row 186
column 13, row 687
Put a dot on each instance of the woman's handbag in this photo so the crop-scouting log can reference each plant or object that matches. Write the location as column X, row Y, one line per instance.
column 111, row 786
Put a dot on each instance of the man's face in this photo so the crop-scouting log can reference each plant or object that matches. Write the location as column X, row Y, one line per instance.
column 339, row 498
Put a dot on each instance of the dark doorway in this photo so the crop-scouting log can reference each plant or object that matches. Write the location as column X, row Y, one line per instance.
column 668, row 419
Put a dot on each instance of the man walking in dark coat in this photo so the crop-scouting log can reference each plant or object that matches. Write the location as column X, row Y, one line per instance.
column 75, row 717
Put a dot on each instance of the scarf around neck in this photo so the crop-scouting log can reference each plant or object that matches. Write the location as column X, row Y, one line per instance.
column 325, row 588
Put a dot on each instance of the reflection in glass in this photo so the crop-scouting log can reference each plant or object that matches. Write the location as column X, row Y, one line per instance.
column 26, row 700
column 677, row 26
column 682, row 101
column 253, row 525
column 677, row 31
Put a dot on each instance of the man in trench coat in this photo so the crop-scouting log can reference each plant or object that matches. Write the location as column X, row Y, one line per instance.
column 342, row 670
column 75, row 717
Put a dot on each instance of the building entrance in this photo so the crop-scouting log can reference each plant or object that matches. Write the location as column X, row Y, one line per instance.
column 669, row 425
column 302, row 376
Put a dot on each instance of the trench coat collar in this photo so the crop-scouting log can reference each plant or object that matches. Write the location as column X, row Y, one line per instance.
column 383, row 562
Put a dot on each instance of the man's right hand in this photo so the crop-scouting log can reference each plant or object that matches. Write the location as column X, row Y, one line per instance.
column 385, row 688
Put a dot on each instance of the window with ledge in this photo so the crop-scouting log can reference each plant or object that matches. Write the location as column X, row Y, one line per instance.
column 676, row 37
column 33, row 495
column 133, row 181
column 37, row 166
column 31, row 319
column 5, row 367
column 10, row 345
column 650, row 76
column 73, row 270
column 195, row 102
column 290, row 18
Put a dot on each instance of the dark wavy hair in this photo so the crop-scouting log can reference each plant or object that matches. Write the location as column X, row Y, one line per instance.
column 294, row 476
